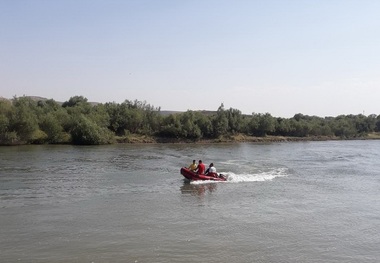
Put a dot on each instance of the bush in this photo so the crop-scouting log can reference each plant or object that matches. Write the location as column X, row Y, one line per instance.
column 39, row 137
column 86, row 132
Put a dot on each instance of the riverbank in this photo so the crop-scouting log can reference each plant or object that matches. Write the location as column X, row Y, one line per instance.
column 142, row 139
column 134, row 138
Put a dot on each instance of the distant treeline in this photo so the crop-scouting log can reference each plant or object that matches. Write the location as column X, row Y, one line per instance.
column 76, row 121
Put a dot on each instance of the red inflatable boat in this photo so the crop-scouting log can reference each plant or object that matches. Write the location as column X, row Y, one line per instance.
column 193, row 176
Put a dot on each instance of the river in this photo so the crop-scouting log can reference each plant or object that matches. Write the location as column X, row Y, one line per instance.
column 283, row 202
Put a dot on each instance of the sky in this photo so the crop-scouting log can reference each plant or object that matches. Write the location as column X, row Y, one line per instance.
column 281, row 57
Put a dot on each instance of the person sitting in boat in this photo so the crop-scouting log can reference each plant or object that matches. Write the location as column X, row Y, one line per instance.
column 193, row 166
column 201, row 168
column 211, row 170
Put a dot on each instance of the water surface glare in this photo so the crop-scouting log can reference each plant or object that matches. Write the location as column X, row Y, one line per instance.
column 283, row 202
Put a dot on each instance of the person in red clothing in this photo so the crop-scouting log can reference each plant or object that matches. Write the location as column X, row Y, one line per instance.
column 201, row 168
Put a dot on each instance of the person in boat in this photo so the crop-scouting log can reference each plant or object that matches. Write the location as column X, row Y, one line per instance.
column 193, row 166
column 201, row 167
column 211, row 170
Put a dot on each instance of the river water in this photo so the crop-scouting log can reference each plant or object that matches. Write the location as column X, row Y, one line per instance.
column 283, row 202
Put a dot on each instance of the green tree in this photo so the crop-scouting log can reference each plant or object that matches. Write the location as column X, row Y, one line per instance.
column 364, row 124
column 344, row 127
column 133, row 117
column 171, row 126
column 189, row 127
column 235, row 120
column 220, row 122
column 205, row 124
column 100, row 115
column 87, row 132
column 53, row 129
column 5, row 114
column 261, row 124
column 283, row 127
column 24, row 121
column 77, row 105
column 75, row 101
column 53, row 121
column 377, row 124
column 267, row 124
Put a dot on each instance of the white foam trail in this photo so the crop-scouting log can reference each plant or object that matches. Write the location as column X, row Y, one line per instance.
column 256, row 177
column 205, row 182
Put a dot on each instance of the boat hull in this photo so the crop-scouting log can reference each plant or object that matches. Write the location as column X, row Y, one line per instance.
column 200, row 177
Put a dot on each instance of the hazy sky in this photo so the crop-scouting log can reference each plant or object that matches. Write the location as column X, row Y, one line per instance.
column 283, row 57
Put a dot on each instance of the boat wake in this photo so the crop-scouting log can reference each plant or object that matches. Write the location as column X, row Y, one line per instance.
column 251, row 177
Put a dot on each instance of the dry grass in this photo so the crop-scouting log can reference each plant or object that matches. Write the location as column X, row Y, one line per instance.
column 374, row 135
